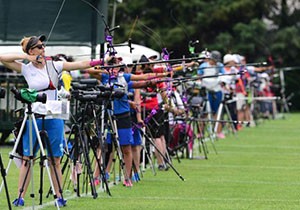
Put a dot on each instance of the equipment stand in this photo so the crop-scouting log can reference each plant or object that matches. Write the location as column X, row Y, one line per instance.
column 32, row 122
column 223, row 106
column 3, row 174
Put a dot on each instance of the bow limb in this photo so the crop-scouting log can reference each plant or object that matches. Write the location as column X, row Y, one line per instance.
column 167, row 96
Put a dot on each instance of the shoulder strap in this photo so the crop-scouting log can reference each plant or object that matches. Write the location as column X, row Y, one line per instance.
column 53, row 67
column 51, row 85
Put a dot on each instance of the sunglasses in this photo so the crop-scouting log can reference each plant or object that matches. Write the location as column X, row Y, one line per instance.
column 39, row 46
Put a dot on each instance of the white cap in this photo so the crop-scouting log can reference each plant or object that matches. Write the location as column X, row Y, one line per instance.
column 127, row 60
column 237, row 58
column 204, row 54
column 227, row 58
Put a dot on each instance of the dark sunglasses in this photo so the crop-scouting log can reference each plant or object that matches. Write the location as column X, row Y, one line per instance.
column 39, row 46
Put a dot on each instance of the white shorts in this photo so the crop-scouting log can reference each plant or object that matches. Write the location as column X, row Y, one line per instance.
column 240, row 102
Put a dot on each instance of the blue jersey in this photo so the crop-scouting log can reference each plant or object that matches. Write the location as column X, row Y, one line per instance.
column 121, row 105
column 212, row 71
column 131, row 91
column 210, row 74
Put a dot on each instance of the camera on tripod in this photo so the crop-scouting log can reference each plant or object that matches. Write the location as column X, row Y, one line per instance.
column 84, row 84
column 2, row 92
column 196, row 105
column 96, row 95
column 26, row 95
column 99, row 92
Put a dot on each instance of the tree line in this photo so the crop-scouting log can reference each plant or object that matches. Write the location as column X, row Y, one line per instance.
column 261, row 30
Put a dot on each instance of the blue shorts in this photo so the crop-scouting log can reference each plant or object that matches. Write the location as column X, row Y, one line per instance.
column 137, row 140
column 108, row 138
column 125, row 137
column 124, row 129
column 215, row 99
column 55, row 131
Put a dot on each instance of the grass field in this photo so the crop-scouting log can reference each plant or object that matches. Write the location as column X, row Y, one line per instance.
column 257, row 169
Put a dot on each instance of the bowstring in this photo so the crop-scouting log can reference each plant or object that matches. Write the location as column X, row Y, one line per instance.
column 150, row 33
column 55, row 21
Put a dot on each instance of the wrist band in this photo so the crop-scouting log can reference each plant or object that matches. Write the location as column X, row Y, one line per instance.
column 95, row 63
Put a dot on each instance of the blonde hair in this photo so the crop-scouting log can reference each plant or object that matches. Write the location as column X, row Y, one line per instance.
column 24, row 43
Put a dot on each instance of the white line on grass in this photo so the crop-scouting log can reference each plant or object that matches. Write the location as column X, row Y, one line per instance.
column 270, row 153
column 209, row 199
column 277, row 183
column 253, row 166
column 51, row 203
column 261, row 146
column 224, row 180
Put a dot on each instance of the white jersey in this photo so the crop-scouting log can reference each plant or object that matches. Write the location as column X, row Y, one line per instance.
column 178, row 103
column 39, row 79
column 210, row 83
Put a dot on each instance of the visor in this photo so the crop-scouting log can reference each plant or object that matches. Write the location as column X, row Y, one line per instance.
column 33, row 41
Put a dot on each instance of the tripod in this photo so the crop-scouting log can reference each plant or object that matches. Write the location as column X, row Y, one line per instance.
column 82, row 144
column 166, row 159
column 45, row 139
column 32, row 124
column 3, row 174
column 224, row 107
column 200, row 123
column 115, row 141
column 145, row 152
column 195, row 126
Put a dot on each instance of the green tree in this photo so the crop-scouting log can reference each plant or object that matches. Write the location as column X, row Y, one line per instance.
column 255, row 28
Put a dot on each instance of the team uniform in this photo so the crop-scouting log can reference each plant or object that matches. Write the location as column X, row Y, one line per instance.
column 121, row 107
column 45, row 81
column 212, row 84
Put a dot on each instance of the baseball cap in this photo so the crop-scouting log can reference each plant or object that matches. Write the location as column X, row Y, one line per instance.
column 227, row 58
column 215, row 55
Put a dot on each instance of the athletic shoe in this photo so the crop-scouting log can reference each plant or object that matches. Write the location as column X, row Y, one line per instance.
column 163, row 167
column 135, row 177
column 127, row 183
column 96, row 181
column 61, row 202
column 18, row 202
column 221, row 135
column 106, row 176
